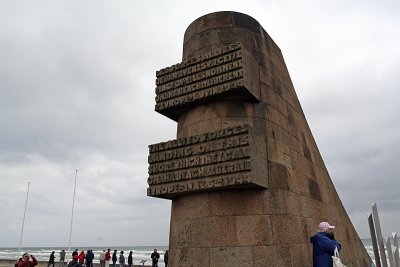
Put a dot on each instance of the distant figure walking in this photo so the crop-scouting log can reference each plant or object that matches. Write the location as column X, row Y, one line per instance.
column 62, row 258
column 102, row 258
column 154, row 258
column 130, row 259
column 107, row 258
column 25, row 262
column 324, row 244
column 114, row 258
column 121, row 259
column 166, row 258
column 51, row 259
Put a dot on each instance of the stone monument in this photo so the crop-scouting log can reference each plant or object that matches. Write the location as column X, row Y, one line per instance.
column 247, row 182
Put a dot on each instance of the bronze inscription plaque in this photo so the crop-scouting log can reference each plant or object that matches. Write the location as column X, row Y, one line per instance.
column 224, row 71
column 231, row 157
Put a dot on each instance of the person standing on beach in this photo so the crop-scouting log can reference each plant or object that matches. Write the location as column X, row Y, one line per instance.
column 102, row 258
column 154, row 258
column 89, row 258
column 81, row 257
column 107, row 258
column 114, row 258
column 74, row 262
column 121, row 259
column 25, row 262
column 130, row 259
column 166, row 258
column 62, row 258
column 51, row 259
column 324, row 244
column 75, row 253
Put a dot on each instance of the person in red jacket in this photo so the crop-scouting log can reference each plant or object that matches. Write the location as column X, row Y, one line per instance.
column 107, row 258
column 25, row 262
column 81, row 257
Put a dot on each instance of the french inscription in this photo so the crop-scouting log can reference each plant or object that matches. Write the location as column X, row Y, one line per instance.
column 210, row 160
column 211, row 74
column 195, row 61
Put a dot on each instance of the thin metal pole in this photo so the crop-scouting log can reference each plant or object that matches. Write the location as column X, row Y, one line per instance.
column 381, row 242
column 390, row 252
column 396, row 250
column 373, row 240
column 23, row 222
column 72, row 217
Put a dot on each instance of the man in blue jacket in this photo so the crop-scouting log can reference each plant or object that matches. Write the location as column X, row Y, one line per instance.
column 324, row 244
column 89, row 258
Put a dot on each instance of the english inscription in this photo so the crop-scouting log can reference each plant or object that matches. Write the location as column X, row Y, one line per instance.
column 220, row 159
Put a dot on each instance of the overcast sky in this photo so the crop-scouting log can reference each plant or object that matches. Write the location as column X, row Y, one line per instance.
column 77, row 93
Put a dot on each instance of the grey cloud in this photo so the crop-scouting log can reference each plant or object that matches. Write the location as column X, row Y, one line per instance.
column 77, row 92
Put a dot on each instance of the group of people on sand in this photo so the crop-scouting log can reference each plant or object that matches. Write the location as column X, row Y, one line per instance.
column 106, row 259
column 80, row 259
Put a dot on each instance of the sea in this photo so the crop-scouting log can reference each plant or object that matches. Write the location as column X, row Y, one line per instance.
column 140, row 253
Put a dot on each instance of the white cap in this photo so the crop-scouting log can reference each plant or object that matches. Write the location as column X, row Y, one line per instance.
column 323, row 226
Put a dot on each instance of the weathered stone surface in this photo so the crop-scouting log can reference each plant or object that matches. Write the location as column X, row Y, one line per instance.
column 240, row 226
column 240, row 202
column 274, row 202
column 180, row 233
column 197, row 206
column 289, row 229
column 278, row 174
column 231, row 256
column 300, row 254
column 254, row 230
column 189, row 257
column 214, row 231
column 274, row 256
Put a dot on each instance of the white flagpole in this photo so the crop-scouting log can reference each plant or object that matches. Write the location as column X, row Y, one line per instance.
column 23, row 222
column 72, row 217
